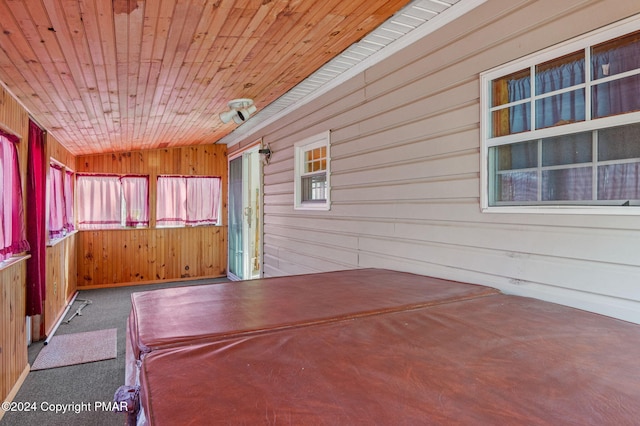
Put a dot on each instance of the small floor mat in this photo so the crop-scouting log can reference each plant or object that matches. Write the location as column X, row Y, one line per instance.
column 77, row 348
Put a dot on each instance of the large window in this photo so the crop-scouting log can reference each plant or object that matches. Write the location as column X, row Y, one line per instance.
column 12, row 228
column 188, row 201
column 561, row 129
column 112, row 201
column 312, row 187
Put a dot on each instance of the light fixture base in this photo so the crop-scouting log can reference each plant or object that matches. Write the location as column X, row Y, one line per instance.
column 241, row 103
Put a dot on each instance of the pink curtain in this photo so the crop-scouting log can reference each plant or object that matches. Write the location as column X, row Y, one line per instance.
column 99, row 201
column 68, row 202
column 56, row 202
column 171, row 201
column 136, row 198
column 203, row 200
column 36, row 198
column 12, row 228
column 188, row 200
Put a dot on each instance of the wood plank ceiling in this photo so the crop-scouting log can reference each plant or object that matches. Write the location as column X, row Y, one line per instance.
column 120, row 75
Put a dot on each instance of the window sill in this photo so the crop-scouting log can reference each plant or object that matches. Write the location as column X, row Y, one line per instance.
column 576, row 210
column 207, row 225
column 12, row 261
column 313, row 206
column 123, row 228
column 142, row 228
column 57, row 241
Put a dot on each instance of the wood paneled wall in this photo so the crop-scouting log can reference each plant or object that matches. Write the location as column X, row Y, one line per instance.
column 150, row 255
column 15, row 119
column 61, row 280
column 59, row 153
column 136, row 256
column 61, row 264
column 13, row 337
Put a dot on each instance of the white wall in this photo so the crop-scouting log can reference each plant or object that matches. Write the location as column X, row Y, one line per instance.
column 405, row 159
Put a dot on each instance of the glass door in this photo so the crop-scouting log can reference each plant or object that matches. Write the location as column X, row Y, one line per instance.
column 245, row 224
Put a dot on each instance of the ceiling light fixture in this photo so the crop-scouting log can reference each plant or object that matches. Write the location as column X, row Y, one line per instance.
column 239, row 111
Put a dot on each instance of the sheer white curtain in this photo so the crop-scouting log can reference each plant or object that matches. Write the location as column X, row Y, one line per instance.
column 68, row 201
column 135, row 190
column 171, row 204
column 99, row 201
column 56, row 202
column 203, row 200
column 188, row 200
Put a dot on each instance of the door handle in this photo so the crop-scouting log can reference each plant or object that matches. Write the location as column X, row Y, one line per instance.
column 247, row 213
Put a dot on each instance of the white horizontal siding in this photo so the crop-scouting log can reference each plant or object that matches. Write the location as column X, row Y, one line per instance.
column 405, row 173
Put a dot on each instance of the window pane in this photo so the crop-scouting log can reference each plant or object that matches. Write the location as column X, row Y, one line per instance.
column 567, row 184
column 560, row 109
column 523, row 155
column 314, row 188
column 560, row 73
column 507, row 121
column 203, row 198
column 517, row 186
column 12, row 230
column 567, row 149
column 619, row 143
column 315, row 160
column 619, row 182
column 616, row 56
column 69, row 201
column 171, row 202
column 135, row 190
column 616, row 97
column 99, row 202
column 511, row 88
column 57, row 209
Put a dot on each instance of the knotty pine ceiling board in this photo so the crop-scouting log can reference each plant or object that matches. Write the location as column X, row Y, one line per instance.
column 121, row 75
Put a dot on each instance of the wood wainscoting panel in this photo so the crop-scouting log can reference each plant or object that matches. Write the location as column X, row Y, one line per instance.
column 61, row 280
column 13, row 336
column 142, row 256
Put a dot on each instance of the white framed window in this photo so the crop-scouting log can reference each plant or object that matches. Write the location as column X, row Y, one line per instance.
column 312, row 173
column 560, row 129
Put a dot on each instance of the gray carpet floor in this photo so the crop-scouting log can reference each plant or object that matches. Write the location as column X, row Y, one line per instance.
column 84, row 390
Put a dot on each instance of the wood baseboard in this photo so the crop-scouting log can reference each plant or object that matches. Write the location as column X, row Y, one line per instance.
column 16, row 387
column 59, row 316
column 140, row 283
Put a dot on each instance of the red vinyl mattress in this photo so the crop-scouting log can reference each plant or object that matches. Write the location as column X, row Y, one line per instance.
column 487, row 360
column 184, row 315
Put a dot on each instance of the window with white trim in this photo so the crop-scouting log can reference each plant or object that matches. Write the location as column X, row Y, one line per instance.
column 561, row 129
column 312, row 187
